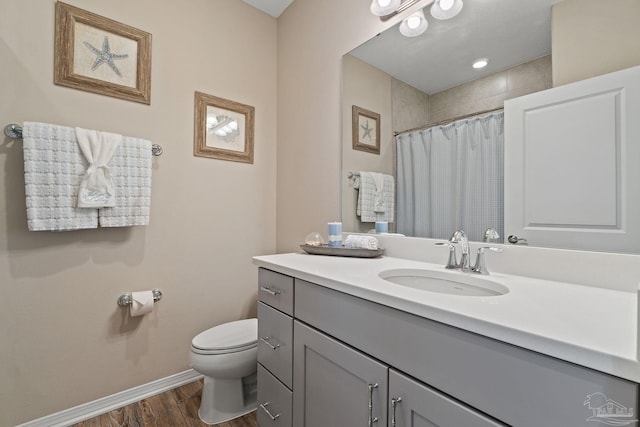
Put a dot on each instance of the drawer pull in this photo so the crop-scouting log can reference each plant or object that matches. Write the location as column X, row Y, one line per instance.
column 264, row 408
column 275, row 292
column 372, row 419
column 394, row 403
column 266, row 341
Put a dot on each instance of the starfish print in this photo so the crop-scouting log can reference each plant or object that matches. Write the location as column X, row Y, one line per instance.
column 105, row 56
column 367, row 130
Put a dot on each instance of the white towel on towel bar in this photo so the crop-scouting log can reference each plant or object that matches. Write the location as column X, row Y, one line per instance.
column 96, row 187
column 53, row 170
column 378, row 197
column 365, row 207
column 130, row 167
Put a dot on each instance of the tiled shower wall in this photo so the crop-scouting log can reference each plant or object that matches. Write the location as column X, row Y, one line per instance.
column 479, row 95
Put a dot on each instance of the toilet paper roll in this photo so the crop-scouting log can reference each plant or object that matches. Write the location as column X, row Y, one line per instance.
column 141, row 303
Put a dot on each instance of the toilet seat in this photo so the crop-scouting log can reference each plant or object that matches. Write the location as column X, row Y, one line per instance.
column 229, row 337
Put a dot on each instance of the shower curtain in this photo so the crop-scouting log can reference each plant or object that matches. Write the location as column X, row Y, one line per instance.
column 451, row 177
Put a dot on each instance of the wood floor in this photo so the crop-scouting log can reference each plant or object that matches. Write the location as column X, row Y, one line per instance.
column 174, row 408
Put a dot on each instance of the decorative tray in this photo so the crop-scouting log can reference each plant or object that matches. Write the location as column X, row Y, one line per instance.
column 348, row 252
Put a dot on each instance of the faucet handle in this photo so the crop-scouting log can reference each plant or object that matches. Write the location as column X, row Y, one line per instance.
column 490, row 235
column 452, row 262
column 481, row 266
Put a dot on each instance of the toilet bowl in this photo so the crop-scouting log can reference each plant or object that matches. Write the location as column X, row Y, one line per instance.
column 227, row 357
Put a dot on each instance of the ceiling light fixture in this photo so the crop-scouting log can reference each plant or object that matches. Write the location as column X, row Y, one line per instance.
column 414, row 25
column 384, row 7
column 446, row 9
column 480, row 63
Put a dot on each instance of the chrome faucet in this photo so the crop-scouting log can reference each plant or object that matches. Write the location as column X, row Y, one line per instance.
column 481, row 265
column 491, row 235
column 459, row 236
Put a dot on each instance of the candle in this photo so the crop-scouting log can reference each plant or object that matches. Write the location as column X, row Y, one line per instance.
column 335, row 234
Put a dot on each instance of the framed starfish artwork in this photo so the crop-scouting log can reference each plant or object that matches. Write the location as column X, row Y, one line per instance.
column 223, row 129
column 365, row 128
column 100, row 55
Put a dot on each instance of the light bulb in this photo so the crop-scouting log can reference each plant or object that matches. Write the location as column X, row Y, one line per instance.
column 414, row 25
column 480, row 63
column 446, row 9
column 446, row 4
column 413, row 22
column 384, row 7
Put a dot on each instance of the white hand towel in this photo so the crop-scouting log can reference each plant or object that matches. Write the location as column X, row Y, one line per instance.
column 53, row 169
column 378, row 198
column 131, row 167
column 96, row 187
column 366, row 204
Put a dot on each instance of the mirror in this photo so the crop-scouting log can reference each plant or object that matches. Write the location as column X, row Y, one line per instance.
column 414, row 82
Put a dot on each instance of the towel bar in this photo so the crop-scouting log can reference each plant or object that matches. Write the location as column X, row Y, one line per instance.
column 14, row 131
column 125, row 299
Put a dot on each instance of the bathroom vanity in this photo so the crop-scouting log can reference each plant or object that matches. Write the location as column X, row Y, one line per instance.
column 341, row 346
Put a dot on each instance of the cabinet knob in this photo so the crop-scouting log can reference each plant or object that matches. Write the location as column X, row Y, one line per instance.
column 372, row 419
column 266, row 341
column 271, row 291
column 394, row 403
column 264, row 408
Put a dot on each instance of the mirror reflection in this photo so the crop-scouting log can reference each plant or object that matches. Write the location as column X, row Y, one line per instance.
column 428, row 95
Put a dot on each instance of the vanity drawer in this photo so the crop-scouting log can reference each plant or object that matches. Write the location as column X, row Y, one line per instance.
column 276, row 290
column 275, row 339
column 274, row 401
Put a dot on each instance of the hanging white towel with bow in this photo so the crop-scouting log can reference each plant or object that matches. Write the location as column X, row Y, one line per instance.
column 96, row 187
column 378, row 198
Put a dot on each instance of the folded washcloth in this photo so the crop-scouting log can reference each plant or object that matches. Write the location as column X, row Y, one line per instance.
column 53, row 169
column 96, row 187
column 361, row 242
column 131, row 170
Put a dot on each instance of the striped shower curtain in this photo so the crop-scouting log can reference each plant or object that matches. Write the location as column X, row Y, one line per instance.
column 451, row 177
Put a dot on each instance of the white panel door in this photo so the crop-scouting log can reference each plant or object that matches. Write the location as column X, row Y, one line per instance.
column 572, row 165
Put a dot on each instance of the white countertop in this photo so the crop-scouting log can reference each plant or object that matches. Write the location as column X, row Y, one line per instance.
column 588, row 326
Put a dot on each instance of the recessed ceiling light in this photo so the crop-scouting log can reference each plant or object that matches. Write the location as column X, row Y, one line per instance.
column 480, row 63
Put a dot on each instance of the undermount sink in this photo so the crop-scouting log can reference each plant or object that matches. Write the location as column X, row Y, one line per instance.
column 444, row 282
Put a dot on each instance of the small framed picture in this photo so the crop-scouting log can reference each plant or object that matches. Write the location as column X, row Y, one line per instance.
column 99, row 55
column 365, row 130
column 223, row 129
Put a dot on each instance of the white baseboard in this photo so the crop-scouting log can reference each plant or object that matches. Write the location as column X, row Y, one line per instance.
column 109, row 403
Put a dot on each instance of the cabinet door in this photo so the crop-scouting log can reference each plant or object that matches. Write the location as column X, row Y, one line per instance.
column 335, row 385
column 413, row 404
column 571, row 165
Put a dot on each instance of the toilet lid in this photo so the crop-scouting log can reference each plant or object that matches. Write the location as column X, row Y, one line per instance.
column 238, row 335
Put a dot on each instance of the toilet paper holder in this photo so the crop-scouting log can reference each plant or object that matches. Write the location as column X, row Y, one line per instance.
column 125, row 299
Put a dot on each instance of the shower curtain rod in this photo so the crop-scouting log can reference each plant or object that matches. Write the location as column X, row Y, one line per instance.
column 447, row 121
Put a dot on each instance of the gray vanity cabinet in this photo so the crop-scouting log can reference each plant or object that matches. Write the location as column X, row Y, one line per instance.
column 334, row 384
column 345, row 361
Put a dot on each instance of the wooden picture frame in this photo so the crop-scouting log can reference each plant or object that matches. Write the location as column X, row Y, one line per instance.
column 223, row 129
column 365, row 129
column 99, row 55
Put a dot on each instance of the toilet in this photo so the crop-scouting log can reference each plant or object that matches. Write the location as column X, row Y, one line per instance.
column 227, row 357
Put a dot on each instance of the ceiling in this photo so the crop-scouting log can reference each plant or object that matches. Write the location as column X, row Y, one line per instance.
column 508, row 32
column 272, row 7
